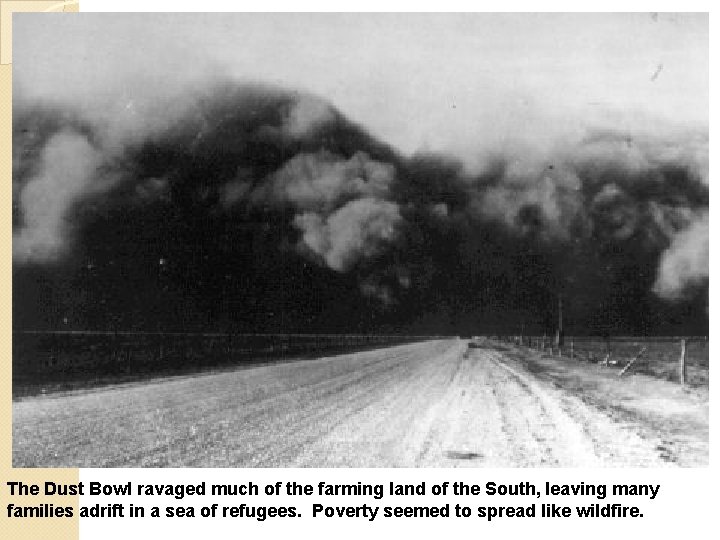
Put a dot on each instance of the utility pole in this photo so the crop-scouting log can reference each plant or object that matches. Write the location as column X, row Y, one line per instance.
column 559, row 335
column 682, row 368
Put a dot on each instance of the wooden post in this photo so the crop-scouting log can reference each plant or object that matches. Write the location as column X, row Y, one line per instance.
column 572, row 348
column 560, row 334
column 681, row 368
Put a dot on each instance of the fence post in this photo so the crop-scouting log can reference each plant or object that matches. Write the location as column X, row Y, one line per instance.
column 681, row 368
column 572, row 348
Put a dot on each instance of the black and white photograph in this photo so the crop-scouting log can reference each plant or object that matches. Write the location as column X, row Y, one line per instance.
column 360, row 240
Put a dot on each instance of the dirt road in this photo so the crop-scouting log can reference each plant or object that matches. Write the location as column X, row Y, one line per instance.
column 425, row 404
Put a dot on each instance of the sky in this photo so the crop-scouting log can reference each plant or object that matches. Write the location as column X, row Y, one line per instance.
column 457, row 83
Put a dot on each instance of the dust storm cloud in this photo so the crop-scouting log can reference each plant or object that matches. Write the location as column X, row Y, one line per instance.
column 261, row 208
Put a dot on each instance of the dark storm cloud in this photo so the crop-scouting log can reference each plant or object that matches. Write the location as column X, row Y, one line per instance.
column 244, row 202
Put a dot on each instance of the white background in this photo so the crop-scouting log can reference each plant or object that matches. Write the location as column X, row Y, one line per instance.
column 684, row 505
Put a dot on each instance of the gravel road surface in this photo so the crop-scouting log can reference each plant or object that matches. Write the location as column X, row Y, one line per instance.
column 432, row 404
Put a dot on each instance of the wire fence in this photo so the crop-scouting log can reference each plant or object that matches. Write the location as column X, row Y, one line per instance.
column 59, row 360
column 682, row 359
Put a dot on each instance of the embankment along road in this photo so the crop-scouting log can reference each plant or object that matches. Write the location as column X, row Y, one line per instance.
column 435, row 403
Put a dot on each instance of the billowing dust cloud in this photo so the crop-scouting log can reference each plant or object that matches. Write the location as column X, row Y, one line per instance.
column 686, row 262
column 67, row 173
column 248, row 200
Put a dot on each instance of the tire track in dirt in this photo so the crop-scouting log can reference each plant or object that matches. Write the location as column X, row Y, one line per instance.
column 591, row 438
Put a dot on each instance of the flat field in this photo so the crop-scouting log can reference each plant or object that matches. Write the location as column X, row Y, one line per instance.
column 659, row 356
column 46, row 362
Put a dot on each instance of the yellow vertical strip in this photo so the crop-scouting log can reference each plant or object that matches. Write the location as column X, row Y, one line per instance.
column 11, row 527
